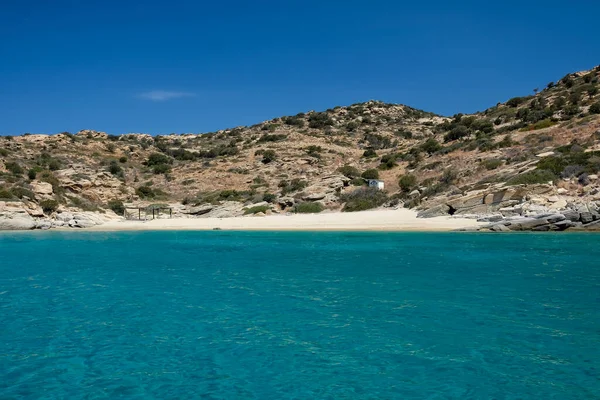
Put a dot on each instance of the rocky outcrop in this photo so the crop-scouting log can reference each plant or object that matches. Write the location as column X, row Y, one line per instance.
column 13, row 216
column 80, row 219
column 580, row 216
column 435, row 211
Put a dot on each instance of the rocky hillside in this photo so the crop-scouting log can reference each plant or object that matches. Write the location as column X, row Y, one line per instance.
column 529, row 154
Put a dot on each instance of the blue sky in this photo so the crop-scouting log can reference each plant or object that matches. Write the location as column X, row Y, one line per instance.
column 197, row 66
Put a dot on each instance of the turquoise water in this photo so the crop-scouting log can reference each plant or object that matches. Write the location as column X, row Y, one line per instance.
column 240, row 315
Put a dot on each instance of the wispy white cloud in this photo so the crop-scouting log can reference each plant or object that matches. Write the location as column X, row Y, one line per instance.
column 163, row 95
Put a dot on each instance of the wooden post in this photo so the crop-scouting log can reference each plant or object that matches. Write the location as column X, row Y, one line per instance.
column 170, row 213
column 139, row 214
column 152, row 213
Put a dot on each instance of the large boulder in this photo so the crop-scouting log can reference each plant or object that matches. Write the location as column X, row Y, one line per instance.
column 435, row 211
column 314, row 196
column 199, row 210
column 14, row 217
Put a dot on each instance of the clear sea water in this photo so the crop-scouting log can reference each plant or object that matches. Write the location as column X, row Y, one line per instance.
column 271, row 315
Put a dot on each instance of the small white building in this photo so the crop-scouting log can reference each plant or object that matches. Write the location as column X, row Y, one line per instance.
column 376, row 183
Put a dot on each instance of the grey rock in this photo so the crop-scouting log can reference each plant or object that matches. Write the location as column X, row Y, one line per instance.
column 16, row 222
column 200, row 210
column 586, row 217
column 435, row 211
column 499, row 228
column 571, row 215
column 526, row 224
column 491, row 218
column 566, row 224
column 314, row 196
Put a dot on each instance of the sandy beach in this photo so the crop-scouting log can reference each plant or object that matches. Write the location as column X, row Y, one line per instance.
column 378, row 220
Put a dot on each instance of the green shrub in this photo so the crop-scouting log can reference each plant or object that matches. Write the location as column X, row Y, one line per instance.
column 115, row 168
column 431, row 146
column 292, row 186
column 117, row 206
column 31, row 174
column 3, row 152
column 269, row 197
column 268, row 156
column 158, row 159
column 49, row 206
column 349, row 171
column 358, row 182
column 14, row 167
column 407, row 182
column 370, row 174
column 123, row 159
column 256, row 210
column 54, row 165
column 271, row 138
column 145, row 192
column 595, row 108
column 369, row 153
column 308, row 208
column 515, row 101
column 161, row 169
column 532, row 177
column 5, row 194
column 491, row 164
column 314, row 151
column 545, row 123
column 363, row 199
column 21, row 192
column 449, row 176
column 319, row 120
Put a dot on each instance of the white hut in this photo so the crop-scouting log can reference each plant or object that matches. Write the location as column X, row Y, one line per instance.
column 376, row 184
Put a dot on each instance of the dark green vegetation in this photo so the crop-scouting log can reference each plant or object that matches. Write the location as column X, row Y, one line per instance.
column 363, row 199
column 308, row 208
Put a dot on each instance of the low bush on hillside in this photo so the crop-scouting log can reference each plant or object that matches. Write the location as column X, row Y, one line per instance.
column 363, row 199
column 5, row 194
column 115, row 169
column 407, row 182
column 358, row 182
column 349, row 171
column 491, row 163
column 269, row 197
column 117, row 206
column 369, row 153
column 266, row 138
column 308, row 208
column 49, row 206
column 268, row 156
column 319, row 120
column 545, row 123
column 21, row 192
column 370, row 174
column 158, row 159
column 532, row 177
column 314, row 151
column 256, row 210
column 14, row 167
column 145, row 192
column 294, row 185
column 431, row 146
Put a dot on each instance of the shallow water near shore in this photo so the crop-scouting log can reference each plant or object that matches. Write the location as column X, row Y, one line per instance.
column 302, row 315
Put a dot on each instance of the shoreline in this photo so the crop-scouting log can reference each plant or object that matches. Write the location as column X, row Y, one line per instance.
column 378, row 220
